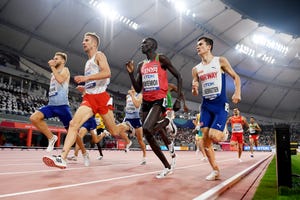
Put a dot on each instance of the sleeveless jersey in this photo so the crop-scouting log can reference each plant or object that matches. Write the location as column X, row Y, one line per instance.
column 58, row 93
column 212, row 80
column 131, row 112
column 99, row 121
column 169, row 100
column 252, row 128
column 155, row 80
column 237, row 124
column 94, row 86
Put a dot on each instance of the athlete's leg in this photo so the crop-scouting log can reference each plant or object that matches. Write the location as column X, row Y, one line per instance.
column 82, row 114
column 139, row 136
column 37, row 119
column 208, row 146
column 150, row 120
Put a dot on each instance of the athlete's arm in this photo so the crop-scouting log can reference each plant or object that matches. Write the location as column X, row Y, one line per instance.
column 258, row 128
column 195, row 82
column 245, row 123
column 136, row 83
column 136, row 99
column 62, row 76
column 226, row 67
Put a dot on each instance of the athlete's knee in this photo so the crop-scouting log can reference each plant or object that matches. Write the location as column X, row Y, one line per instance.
column 34, row 118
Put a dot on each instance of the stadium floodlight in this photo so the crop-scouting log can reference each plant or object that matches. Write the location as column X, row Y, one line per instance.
column 112, row 14
column 263, row 41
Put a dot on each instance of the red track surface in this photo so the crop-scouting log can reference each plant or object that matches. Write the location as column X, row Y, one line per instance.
column 23, row 175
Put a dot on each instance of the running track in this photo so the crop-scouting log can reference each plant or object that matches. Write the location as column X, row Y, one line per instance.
column 118, row 175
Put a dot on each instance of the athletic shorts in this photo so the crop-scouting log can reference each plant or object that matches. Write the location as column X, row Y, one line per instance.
column 214, row 116
column 135, row 123
column 90, row 124
column 254, row 137
column 99, row 103
column 237, row 137
column 63, row 112
column 147, row 105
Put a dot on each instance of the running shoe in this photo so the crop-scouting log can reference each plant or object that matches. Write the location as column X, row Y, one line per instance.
column 107, row 134
column 127, row 146
column 55, row 161
column 99, row 157
column 164, row 173
column 143, row 162
column 51, row 143
column 72, row 158
column 171, row 128
column 251, row 155
column 86, row 159
column 214, row 175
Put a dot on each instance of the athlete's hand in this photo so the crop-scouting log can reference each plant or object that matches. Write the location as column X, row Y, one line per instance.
column 52, row 63
column 236, row 98
column 130, row 66
column 176, row 105
column 80, row 79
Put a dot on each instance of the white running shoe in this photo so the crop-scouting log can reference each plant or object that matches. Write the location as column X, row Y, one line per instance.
column 143, row 162
column 240, row 160
column 204, row 158
column 51, row 143
column 72, row 158
column 214, row 175
column 164, row 173
column 226, row 134
column 171, row 128
column 127, row 146
column 86, row 159
column 55, row 161
column 99, row 157
column 107, row 134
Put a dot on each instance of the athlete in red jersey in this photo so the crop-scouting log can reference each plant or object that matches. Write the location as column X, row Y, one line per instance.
column 152, row 81
column 238, row 123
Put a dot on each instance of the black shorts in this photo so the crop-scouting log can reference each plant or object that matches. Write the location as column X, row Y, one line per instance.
column 147, row 105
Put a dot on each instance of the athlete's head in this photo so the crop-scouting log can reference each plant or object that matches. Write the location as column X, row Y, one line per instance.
column 236, row 112
column 60, row 58
column 90, row 40
column 252, row 120
column 149, row 44
column 204, row 44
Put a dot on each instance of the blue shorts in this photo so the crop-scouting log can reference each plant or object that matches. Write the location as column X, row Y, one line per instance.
column 135, row 123
column 214, row 115
column 90, row 124
column 62, row 112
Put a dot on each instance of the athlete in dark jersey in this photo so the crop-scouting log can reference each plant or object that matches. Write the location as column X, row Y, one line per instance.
column 152, row 81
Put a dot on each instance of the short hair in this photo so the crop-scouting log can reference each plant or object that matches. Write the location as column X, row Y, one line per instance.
column 93, row 35
column 63, row 55
column 154, row 42
column 208, row 41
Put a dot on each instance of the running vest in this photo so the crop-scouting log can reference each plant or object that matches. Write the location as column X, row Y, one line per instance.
column 237, row 124
column 212, row 79
column 252, row 127
column 58, row 93
column 169, row 100
column 99, row 121
column 155, row 80
column 94, row 86
column 131, row 112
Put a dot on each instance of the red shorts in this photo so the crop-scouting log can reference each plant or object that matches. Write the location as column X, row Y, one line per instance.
column 100, row 103
column 254, row 137
column 237, row 137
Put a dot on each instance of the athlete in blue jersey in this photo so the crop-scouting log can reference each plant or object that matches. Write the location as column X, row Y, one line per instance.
column 210, row 73
column 58, row 105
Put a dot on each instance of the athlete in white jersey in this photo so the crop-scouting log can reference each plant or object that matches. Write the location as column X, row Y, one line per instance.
column 95, row 100
column 210, row 73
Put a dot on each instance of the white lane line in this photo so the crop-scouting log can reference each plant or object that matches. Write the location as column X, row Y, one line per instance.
column 215, row 192
column 95, row 182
